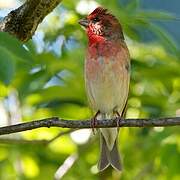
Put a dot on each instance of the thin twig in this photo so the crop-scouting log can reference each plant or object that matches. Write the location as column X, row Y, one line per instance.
column 80, row 124
column 64, row 168
column 59, row 135
column 37, row 142
column 22, row 141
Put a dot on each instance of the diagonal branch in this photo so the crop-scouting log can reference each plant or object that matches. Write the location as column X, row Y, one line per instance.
column 59, row 135
column 22, row 141
column 34, row 142
column 79, row 124
column 23, row 21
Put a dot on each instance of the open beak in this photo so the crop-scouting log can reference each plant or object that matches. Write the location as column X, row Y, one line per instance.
column 84, row 22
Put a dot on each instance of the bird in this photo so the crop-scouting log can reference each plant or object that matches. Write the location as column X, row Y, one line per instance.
column 107, row 78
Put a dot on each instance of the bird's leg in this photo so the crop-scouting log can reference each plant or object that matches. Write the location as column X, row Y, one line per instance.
column 118, row 118
column 94, row 121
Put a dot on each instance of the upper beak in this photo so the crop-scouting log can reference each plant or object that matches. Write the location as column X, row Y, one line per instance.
column 84, row 22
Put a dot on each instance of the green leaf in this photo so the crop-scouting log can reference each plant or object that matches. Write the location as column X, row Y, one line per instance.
column 164, row 37
column 154, row 15
column 7, row 66
column 132, row 6
column 12, row 44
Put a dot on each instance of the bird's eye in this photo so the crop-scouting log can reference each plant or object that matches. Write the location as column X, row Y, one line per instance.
column 96, row 19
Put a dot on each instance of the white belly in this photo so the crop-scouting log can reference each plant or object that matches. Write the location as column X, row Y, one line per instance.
column 108, row 88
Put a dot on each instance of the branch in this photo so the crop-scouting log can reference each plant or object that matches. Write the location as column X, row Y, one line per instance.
column 59, row 135
column 23, row 21
column 79, row 124
column 22, row 141
column 64, row 168
column 36, row 142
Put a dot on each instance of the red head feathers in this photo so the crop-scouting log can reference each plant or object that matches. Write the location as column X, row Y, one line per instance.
column 102, row 23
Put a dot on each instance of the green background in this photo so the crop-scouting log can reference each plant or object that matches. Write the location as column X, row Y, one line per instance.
column 44, row 78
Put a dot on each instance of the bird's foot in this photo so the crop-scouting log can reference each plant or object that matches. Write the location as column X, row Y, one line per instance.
column 118, row 119
column 94, row 122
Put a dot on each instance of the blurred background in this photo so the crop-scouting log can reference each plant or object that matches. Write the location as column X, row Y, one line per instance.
column 44, row 78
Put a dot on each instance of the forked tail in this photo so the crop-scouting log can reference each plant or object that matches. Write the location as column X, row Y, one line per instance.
column 109, row 157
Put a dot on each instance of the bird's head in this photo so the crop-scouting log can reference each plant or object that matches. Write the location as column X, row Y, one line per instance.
column 102, row 24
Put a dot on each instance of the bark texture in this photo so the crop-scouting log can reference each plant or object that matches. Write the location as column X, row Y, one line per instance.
column 80, row 124
column 23, row 21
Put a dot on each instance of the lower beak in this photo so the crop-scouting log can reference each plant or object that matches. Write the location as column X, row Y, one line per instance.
column 84, row 22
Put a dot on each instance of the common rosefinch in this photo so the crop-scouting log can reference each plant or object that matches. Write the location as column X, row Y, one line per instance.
column 107, row 77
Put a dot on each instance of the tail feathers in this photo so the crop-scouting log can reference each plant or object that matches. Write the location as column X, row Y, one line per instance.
column 109, row 157
column 115, row 159
column 104, row 160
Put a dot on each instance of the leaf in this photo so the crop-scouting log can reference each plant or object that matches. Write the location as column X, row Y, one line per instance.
column 9, row 42
column 154, row 15
column 7, row 66
column 31, row 47
column 164, row 37
column 132, row 6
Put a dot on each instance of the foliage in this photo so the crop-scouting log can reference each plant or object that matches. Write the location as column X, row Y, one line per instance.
column 45, row 76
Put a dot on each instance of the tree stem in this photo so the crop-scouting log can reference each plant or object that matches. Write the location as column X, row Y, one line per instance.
column 80, row 124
